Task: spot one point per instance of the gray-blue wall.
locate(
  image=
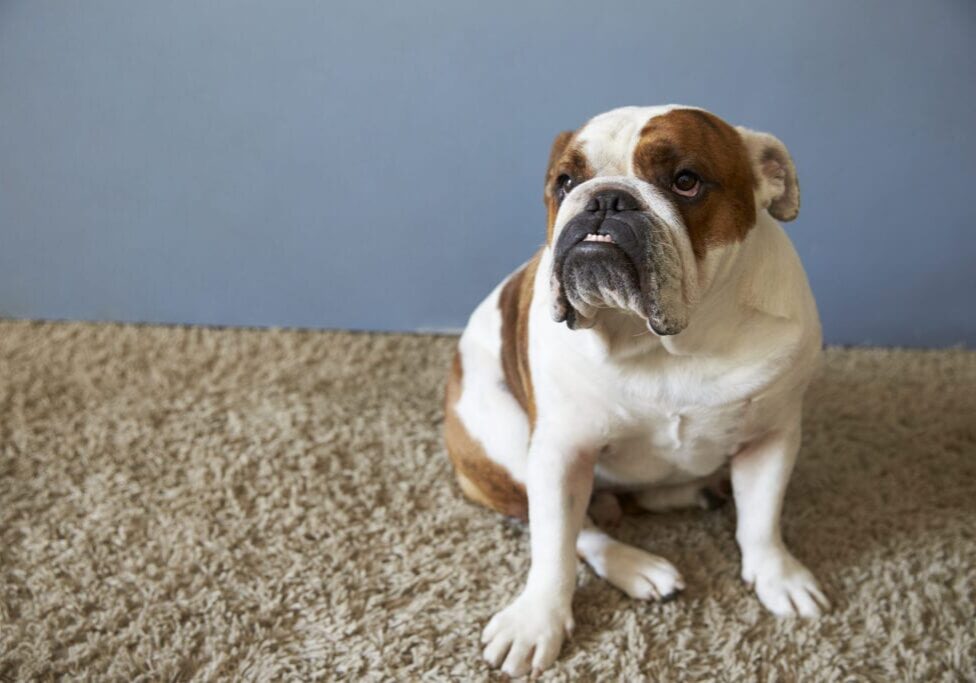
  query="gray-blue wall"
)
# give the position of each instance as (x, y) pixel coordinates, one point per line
(379, 165)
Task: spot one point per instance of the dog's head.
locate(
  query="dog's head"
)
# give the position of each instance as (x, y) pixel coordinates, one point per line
(640, 196)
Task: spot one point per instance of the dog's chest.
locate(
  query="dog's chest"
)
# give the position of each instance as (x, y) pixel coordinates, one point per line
(672, 427)
(671, 446)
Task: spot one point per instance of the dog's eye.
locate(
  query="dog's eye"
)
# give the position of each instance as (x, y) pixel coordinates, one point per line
(686, 183)
(564, 185)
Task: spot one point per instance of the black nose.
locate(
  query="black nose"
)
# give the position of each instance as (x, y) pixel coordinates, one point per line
(612, 201)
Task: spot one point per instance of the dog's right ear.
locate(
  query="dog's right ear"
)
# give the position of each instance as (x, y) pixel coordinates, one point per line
(558, 147)
(777, 188)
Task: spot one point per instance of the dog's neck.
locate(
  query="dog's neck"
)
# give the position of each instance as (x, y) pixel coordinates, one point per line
(715, 317)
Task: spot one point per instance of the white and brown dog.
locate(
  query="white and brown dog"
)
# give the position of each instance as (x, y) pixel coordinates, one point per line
(690, 337)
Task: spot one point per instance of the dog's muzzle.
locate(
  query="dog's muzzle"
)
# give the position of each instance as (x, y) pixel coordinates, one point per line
(607, 256)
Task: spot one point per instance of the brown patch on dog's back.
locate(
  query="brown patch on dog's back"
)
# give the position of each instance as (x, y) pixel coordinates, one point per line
(482, 480)
(514, 302)
(693, 140)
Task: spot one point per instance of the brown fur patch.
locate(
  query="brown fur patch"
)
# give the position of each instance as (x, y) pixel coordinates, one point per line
(482, 480)
(688, 139)
(565, 158)
(513, 302)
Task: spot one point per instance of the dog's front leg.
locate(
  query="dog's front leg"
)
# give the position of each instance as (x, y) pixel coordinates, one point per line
(760, 473)
(528, 633)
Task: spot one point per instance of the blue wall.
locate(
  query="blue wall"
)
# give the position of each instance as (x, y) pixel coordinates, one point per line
(379, 165)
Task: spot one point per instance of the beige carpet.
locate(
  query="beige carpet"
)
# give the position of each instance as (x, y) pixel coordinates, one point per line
(201, 504)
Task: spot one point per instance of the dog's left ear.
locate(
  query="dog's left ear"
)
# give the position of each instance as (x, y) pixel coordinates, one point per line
(777, 187)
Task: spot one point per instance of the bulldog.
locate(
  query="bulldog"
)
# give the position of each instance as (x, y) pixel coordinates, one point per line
(659, 341)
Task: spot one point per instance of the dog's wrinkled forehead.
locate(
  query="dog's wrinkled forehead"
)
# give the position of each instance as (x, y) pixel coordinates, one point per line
(608, 141)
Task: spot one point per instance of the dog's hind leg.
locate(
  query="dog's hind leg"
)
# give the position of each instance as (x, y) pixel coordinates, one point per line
(636, 572)
(707, 493)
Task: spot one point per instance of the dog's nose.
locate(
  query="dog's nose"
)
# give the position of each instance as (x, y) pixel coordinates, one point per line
(612, 201)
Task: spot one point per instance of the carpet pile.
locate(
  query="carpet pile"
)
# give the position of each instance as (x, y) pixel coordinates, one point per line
(192, 504)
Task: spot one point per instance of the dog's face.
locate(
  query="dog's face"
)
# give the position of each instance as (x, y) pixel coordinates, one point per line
(639, 197)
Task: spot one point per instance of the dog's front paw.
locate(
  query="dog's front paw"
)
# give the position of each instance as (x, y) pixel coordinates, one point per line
(526, 635)
(784, 586)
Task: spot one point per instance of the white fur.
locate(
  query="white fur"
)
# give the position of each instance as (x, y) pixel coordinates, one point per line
(609, 139)
(619, 407)
(489, 411)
